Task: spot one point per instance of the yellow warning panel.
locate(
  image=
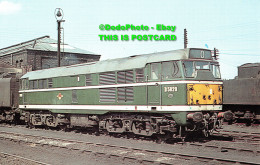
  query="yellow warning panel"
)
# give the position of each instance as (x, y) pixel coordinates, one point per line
(204, 94)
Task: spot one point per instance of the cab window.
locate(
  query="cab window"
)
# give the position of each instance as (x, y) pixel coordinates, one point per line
(200, 65)
(191, 67)
(154, 71)
(214, 67)
(188, 67)
(170, 70)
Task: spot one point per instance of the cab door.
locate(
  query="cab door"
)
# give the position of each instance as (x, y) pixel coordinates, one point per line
(153, 84)
(154, 97)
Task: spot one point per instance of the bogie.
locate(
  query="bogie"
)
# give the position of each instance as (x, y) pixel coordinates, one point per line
(158, 125)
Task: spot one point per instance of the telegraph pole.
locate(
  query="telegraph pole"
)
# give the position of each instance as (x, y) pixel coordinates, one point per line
(59, 18)
(185, 39)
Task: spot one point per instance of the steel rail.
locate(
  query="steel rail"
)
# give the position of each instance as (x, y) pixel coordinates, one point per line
(24, 158)
(128, 149)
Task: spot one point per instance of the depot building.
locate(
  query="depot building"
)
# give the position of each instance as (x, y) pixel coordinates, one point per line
(41, 53)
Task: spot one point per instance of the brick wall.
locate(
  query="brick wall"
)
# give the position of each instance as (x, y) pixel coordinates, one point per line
(30, 60)
(17, 59)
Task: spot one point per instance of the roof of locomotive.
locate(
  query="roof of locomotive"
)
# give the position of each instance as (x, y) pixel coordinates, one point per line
(250, 65)
(127, 63)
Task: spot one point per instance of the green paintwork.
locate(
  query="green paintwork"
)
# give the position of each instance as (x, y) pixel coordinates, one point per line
(153, 94)
(94, 78)
(174, 97)
(180, 118)
(75, 76)
(89, 97)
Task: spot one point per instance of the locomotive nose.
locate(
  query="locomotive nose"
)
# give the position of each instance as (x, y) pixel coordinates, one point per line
(205, 94)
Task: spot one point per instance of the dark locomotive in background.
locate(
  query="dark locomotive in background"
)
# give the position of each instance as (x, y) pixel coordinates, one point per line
(242, 94)
(9, 96)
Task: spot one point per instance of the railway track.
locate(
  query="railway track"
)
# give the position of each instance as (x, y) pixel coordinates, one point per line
(239, 136)
(236, 136)
(15, 159)
(224, 136)
(130, 153)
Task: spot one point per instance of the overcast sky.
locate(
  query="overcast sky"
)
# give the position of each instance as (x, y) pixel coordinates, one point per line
(232, 26)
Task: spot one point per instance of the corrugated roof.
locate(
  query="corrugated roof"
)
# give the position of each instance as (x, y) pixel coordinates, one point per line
(138, 61)
(44, 43)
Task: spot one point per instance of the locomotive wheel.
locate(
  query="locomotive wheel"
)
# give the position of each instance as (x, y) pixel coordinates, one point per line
(114, 126)
(205, 132)
(51, 121)
(33, 121)
(30, 125)
(139, 128)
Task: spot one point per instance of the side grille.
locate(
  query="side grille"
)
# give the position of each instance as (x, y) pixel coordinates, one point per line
(139, 75)
(107, 94)
(88, 79)
(125, 94)
(108, 78)
(125, 77)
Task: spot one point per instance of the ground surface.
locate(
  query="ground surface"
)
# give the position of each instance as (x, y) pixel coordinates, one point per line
(55, 155)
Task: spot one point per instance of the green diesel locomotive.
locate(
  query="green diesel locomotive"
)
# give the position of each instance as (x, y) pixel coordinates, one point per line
(168, 93)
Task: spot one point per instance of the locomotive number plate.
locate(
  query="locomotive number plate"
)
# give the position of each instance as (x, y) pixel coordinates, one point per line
(170, 89)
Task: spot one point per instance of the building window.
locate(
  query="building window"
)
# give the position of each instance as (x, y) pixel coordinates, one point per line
(20, 63)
